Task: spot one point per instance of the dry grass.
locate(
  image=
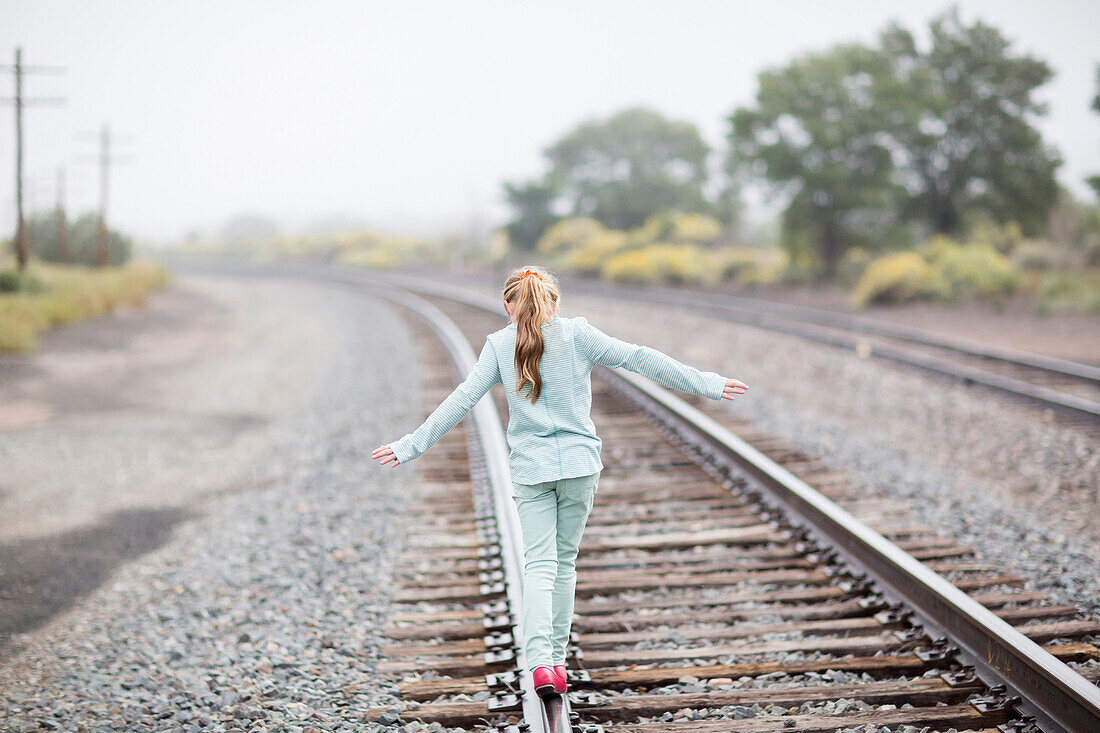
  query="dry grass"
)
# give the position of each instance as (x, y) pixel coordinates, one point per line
(65, 294)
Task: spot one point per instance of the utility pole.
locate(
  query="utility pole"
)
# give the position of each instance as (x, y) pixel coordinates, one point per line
(19, 103)
(20, 228)
(104, 159)
(104, 164)
(62, 233)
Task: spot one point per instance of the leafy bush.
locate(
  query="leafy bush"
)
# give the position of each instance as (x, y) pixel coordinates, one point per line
(893, 278)
(749, 265)
(696, 229)
(10, 281)
(373, 258)
(671, 264)
(81, 237)
(733, 262)
(569, 234)
(634, 267)
(1039, 256)
(851, 266)
(366, 249)
(977, 270)
(1002, 237)
(589, 259)
(1061, 291)
(801, 269)
(768, 271)
(680, 264)
(939, 269)
(674, 227)
(936, 248)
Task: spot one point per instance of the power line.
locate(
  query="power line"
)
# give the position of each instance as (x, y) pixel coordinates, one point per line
(19, 103)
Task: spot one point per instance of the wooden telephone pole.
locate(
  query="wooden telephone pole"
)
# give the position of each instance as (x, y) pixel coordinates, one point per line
(105, 158)
(62, 232)
(19, 102)
(104, 165)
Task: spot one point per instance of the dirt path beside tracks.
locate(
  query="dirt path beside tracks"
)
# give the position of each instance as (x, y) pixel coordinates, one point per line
(117, 430)
(155, 408)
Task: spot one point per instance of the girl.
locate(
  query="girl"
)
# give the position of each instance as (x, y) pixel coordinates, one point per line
(545, 362)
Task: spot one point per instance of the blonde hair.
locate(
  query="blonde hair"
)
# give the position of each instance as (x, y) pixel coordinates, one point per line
(534, 299)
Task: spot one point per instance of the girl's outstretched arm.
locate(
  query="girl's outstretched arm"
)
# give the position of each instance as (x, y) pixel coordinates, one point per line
(450, 412)
(658, 366)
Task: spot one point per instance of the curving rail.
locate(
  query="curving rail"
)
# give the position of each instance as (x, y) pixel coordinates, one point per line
(493, 443)
(1047, 689)
(1050, 691)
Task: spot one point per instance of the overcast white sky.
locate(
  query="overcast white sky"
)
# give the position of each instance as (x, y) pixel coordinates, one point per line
(410, 114)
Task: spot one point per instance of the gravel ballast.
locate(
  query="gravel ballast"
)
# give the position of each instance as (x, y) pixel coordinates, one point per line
(263, 612)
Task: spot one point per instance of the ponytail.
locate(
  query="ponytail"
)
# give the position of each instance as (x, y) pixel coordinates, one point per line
(533, 293)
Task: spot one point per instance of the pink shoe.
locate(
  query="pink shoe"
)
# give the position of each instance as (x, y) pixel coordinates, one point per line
(559, 670)
(547, 681)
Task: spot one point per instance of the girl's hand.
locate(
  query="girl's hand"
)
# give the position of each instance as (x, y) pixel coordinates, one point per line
(733, 388)
(385, 454)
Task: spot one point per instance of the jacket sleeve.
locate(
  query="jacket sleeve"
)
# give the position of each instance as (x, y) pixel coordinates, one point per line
(450, 412)
(661, 368)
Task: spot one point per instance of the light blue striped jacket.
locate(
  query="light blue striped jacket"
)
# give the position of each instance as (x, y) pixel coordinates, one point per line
(555, 437)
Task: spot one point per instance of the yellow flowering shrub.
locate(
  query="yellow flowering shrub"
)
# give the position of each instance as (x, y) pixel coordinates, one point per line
(667, 263)
(977, 270)
(894, 278)
(941, 269)
(569, 234)
(589, 259)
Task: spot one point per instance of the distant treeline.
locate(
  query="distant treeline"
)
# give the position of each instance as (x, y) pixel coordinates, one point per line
(876, 147)
(259, 238)
(77, 243)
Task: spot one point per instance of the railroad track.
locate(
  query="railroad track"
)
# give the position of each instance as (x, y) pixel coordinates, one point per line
(1071, 390)
(717, 591)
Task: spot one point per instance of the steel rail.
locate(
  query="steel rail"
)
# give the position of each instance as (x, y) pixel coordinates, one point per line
(1049, 690)
(494, 444)
(792, 320)
(549, 715)
(537, 715)
(1038, 394)
(1058, 697)
(489, 430)
(862, 324)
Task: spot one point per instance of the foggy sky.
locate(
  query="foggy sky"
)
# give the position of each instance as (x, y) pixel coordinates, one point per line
(410, 114)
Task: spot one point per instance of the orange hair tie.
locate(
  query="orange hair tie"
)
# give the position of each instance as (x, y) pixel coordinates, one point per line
(530, 272)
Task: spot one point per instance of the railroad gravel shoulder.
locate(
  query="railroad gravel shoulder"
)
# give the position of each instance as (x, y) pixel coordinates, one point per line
(262, 614)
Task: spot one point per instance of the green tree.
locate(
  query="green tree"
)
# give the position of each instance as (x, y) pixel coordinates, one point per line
(815, 134)
(82, 238)
(532, 203)
(963, 127)
(636, 163)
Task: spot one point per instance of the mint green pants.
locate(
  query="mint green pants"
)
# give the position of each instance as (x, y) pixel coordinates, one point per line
(551, 516)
